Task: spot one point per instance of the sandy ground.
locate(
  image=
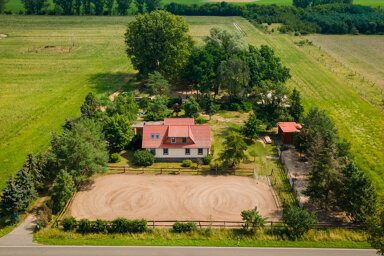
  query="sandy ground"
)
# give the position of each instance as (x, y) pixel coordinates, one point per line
(167, 197)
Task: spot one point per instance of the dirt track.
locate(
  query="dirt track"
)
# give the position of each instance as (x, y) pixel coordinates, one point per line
(166, 197)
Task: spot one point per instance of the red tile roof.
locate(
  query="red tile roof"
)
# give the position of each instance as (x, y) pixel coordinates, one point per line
(200, 134)
(179, 121)
(289, 127)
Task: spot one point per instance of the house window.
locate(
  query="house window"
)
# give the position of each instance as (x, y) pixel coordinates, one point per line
(200, 151)
(187, 151)
(153, 151)
(184, 140)
(157, 136)
(165, 151)
(173, 140)
(152, 136)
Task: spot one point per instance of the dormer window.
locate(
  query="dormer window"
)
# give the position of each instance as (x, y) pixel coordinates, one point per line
(157, 136)
(173, 140)
(152, 135)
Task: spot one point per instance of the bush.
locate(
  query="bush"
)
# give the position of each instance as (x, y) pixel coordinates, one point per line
(69, 223)
(84, 226)
(143, 158)
(121, 225)
(100, 226)
(235, 107)
(44, 216)
(252, 219)
(247, 106)
(200, 120)
(207, 159)
(179, 227)
(298, 221)
(115, 158)
(186, 163)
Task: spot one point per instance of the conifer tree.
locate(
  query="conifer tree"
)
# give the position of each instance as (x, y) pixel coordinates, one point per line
(10, 203)
(24, 182)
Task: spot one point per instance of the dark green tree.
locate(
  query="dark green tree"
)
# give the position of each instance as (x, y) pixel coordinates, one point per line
(152, 5)
(158, 85)
(90, 106)
(158, 109)
(234, 149)
(360, 198)
(252, 127)
(86, 6)
(191, 108)
(210, 106)
(2, 5)
(376, 231)
(11, 200)
(118, 132)
(252, 219)
(25, 184)
(296, 110)
(33, 6)
(123, 6)
(302, 3)
(140, 4)
(34, 168)
(66, 5)
(63, 189)
(124, 104)
(298, 221)
(82, 150)
(99, 6)
(77, 7)
(158, 41)
(109, 5)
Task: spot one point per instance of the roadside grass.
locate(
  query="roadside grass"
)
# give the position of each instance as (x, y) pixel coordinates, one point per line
(332, 238)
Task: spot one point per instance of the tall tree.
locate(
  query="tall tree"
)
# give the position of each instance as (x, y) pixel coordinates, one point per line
(124, 104)
(158, 41)
(63, 189)
(24, 182)
(109, 5)
(33, 6)
(210, 106)
(90, 106)
(231, 41)
(360, 198)
(152, 5)
(252, 127)
(118, 132)
(99, 6)
(77, 7)
(140, 4)
(158, 109)
(296, 110)
(376, 231)
(158, 85)
(123, 6)
(233, 77)
(34, 168)
(11, 200)
(66, 5)
(86, 6)
(2, 5)
(82, 151)
(234, 149)
(191, 108)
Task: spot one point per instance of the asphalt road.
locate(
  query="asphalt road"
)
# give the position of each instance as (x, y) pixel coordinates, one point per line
(174, 251)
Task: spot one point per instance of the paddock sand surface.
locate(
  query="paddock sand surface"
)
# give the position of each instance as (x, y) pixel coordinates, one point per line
(167, 197)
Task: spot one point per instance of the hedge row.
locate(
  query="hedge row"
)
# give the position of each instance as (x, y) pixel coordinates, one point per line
(119, 225)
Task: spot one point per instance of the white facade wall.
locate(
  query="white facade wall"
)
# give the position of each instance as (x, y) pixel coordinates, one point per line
(180, 153)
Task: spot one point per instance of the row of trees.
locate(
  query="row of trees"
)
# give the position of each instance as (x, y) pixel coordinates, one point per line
(89, 7)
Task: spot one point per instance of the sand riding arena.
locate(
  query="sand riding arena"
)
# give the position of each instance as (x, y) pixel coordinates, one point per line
(170, 197)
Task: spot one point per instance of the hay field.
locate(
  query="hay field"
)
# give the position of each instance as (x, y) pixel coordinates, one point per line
(170, 197)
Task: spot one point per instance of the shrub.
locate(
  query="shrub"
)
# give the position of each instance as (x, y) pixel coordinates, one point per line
(143, 158)
(252, 219)
(200, 120)
(188, 227)
(138, 226)
(69, 223)
(121, 225)
(207, 159)
(247, 106)
(44, 216)
(298, 221)
(84, 226)
(235, 107)
(100, 226)
(115, 158)
(186, 163)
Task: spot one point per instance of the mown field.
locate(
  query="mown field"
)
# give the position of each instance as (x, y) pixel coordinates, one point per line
(39, 89)
(16, 5)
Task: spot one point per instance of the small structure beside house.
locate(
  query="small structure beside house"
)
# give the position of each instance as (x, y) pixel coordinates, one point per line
(287, 131)
(176, 139)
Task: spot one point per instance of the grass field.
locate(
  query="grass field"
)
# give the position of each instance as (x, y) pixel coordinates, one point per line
(40, 89)
(217, 237)
(16, 5)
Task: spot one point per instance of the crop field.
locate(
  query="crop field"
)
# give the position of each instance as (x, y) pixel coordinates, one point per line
(40, 86)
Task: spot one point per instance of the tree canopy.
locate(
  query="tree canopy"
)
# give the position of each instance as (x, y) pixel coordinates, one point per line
(158, 41)
(234, 149)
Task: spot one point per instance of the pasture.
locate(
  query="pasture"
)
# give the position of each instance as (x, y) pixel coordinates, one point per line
(39, 89)
(170, 197)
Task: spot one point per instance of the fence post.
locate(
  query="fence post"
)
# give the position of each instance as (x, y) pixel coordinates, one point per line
(271, 223)
(200, 224)
(153, 224)
(179, 171)
(224, 224)
(124, 168)
(161, 170)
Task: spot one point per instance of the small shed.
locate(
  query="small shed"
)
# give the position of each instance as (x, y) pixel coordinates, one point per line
(287, 131)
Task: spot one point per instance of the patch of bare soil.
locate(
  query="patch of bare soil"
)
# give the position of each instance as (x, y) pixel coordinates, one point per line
(113, 95)
(3, 36)
(157, 197)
